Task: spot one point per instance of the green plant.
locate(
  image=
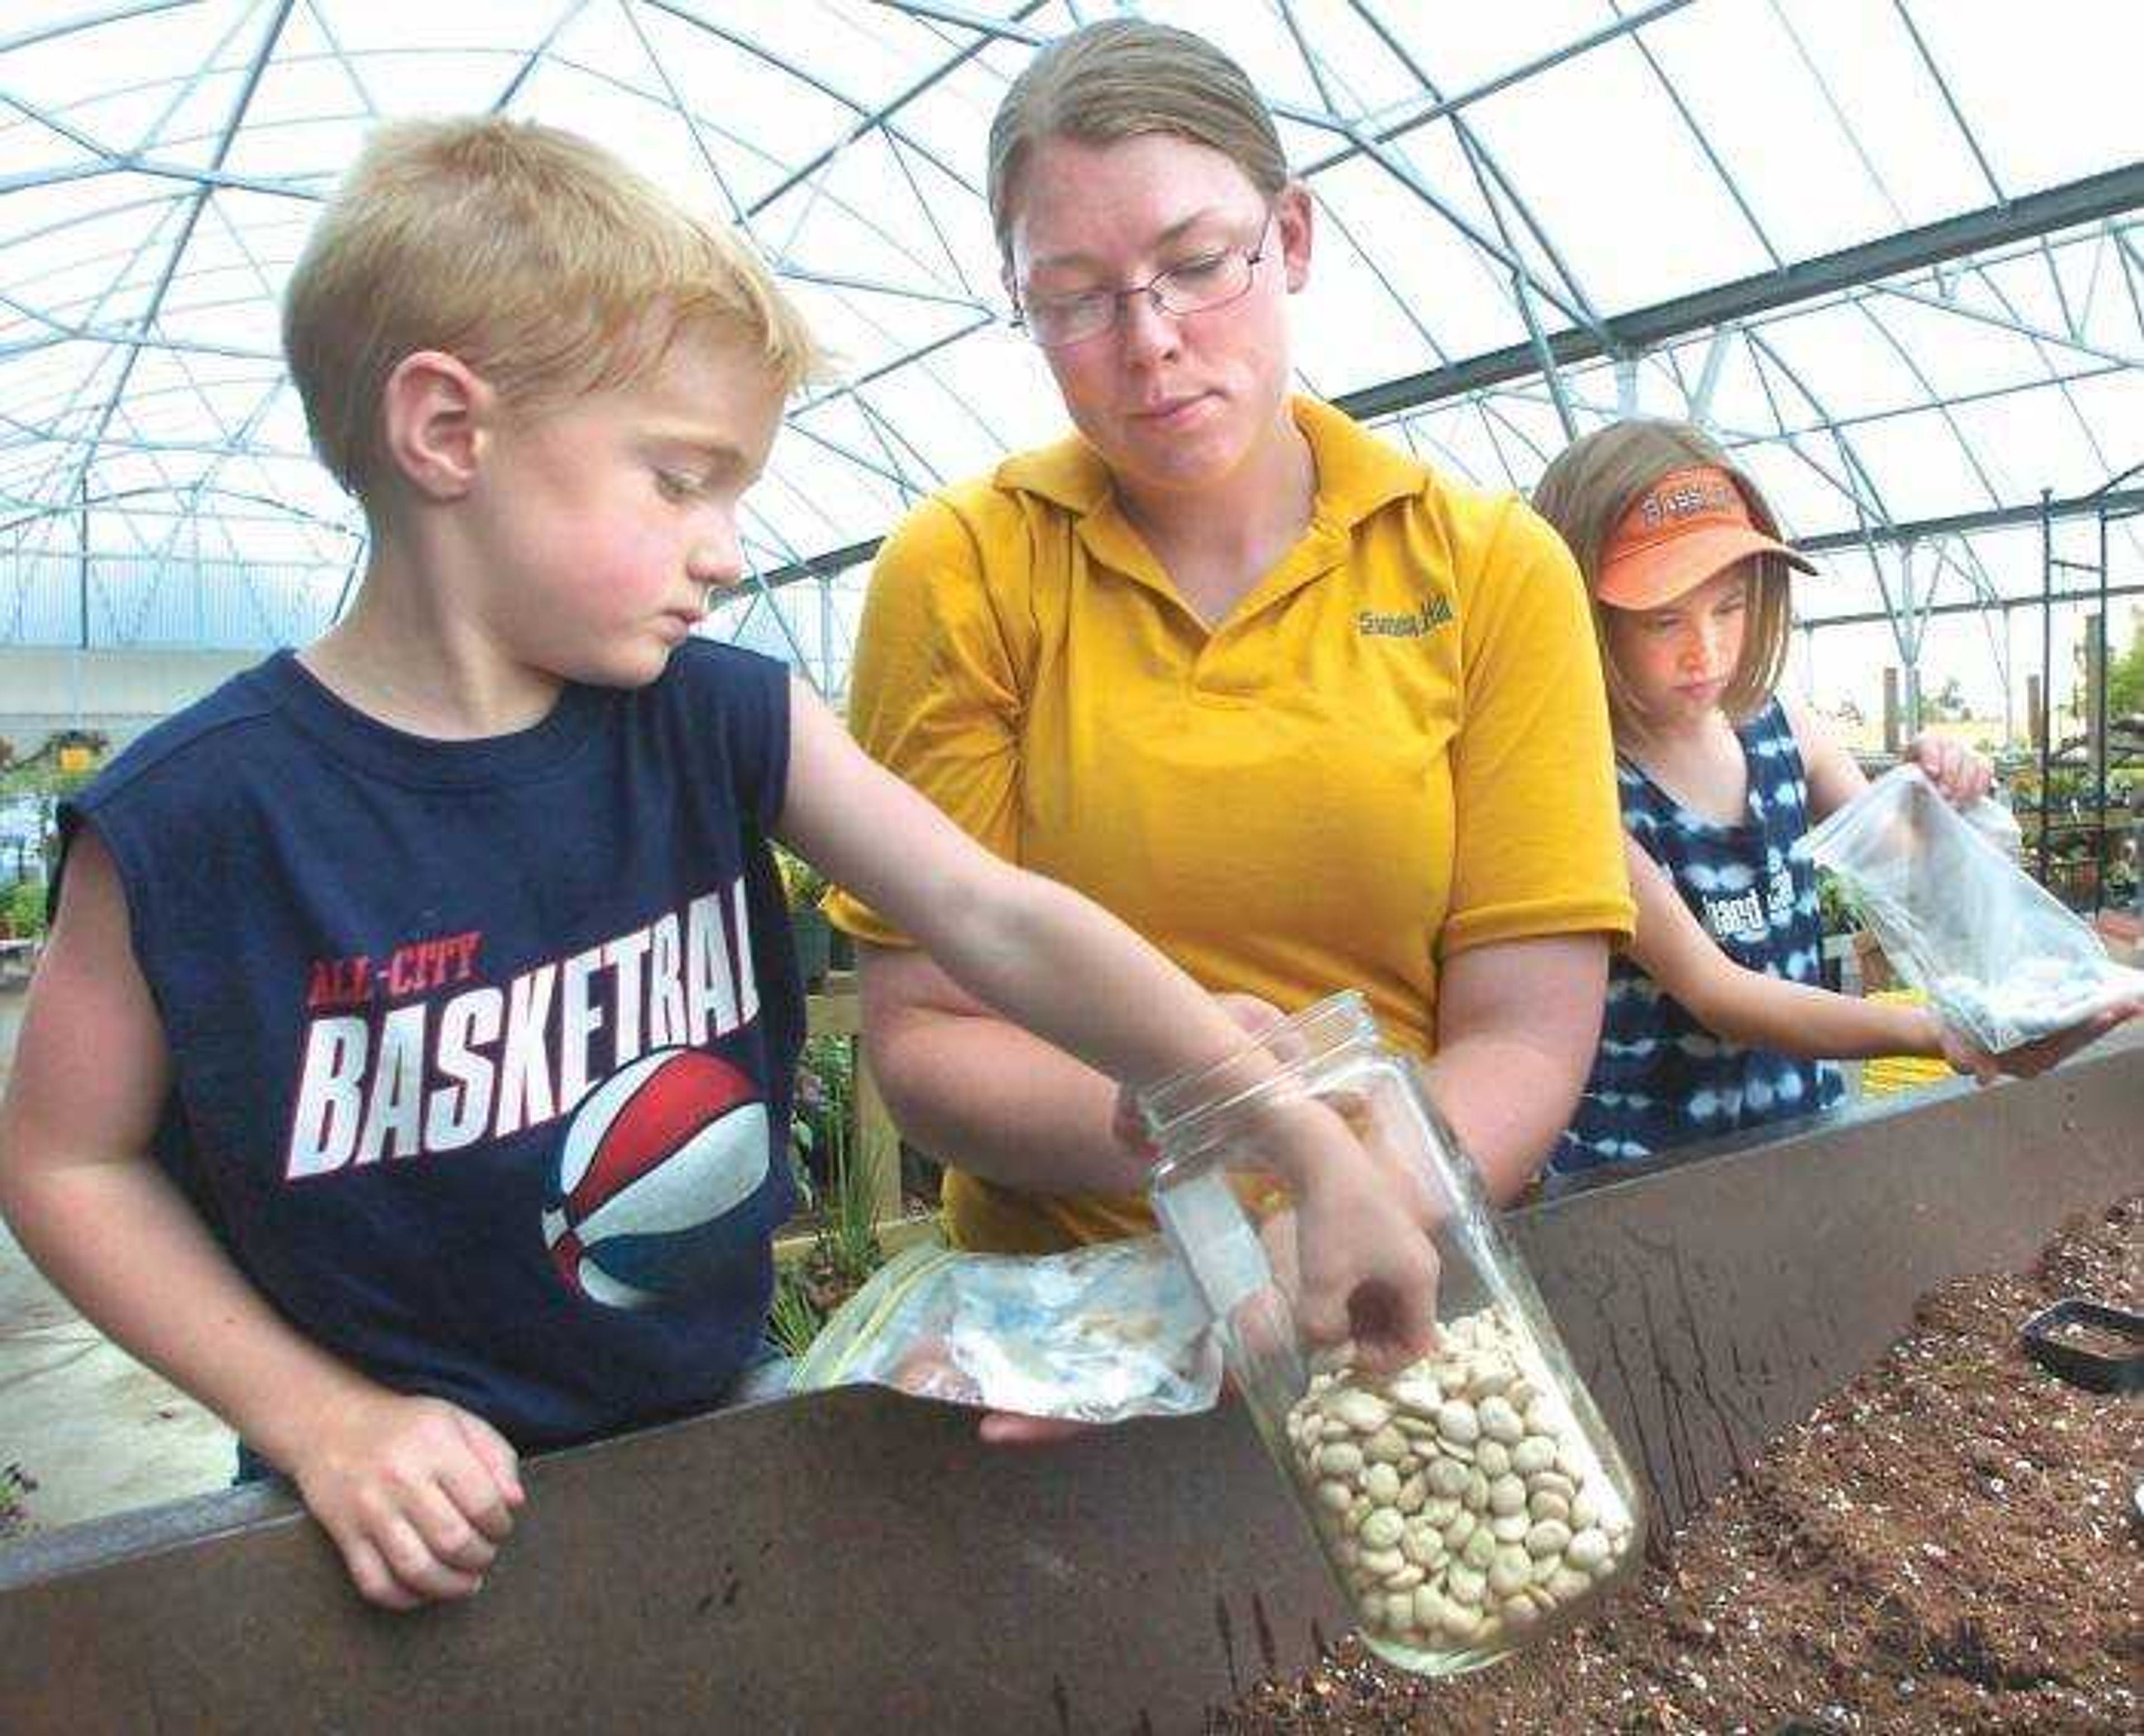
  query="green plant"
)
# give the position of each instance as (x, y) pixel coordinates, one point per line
(15, 1483)
(803, 885)
(826, 1087)
(848, 1225)
(22, 910)
(2124, 678)
(794, 1319)
(1834, 903)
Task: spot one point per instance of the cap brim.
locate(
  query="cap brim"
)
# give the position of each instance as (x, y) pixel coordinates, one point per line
(1649, 578)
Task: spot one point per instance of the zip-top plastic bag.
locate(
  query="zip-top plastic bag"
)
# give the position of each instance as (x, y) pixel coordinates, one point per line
(1101, 1334)
(1999, 956)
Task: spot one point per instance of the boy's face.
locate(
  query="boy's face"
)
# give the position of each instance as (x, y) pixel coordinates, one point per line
(607, 521)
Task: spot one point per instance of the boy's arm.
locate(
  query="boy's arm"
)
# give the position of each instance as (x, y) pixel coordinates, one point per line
(1081, 979)
(413, 1491)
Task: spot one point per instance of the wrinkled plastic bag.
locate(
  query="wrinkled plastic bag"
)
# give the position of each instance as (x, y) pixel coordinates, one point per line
(1998, 955)
(1101, 1334)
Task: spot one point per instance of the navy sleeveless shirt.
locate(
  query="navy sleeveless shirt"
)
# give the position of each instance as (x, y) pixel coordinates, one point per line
(481, 1050)
(1660, 1078)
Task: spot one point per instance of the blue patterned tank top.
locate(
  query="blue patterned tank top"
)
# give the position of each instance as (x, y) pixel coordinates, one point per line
(1660, 1078)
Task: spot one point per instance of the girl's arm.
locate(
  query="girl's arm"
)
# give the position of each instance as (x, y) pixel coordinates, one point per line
(1747, 1006)
(1835, 780)
(415, 1492)
(1769, 1013)
(1766, 1012)
(1079, 978)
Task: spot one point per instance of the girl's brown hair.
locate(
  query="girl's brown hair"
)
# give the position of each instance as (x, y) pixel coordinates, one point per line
(1591, 487)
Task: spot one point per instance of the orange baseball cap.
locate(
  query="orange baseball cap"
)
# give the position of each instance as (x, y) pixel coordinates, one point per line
(1689, 525)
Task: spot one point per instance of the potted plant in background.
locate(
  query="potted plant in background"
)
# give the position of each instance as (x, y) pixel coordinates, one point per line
(803, 886)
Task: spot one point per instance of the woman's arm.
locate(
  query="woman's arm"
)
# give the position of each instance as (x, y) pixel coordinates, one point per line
(1517, 1023)
(980, 1093)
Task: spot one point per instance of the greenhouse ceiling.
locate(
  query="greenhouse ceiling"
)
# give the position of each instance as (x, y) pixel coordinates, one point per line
(1887, 250)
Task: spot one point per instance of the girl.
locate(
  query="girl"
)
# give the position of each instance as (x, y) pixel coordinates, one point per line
(1716, 1021)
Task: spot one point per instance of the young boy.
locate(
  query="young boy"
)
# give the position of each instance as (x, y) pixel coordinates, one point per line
(407, 1076)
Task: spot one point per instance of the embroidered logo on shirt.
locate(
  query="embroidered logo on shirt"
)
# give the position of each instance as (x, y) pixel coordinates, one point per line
(1415, 624)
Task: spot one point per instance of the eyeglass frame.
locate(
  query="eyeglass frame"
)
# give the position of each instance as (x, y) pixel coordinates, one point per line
(1151, 289)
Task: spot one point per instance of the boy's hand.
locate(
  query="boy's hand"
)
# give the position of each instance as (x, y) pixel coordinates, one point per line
(1254, 1015)
(417, 1494)
(1366, 1264)
(1961, 774)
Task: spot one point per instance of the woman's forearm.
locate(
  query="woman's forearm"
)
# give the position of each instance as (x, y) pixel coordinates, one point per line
(982, 1095)
(1505, 1127)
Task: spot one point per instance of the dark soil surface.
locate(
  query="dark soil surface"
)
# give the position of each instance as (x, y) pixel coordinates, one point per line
(1949, 1544)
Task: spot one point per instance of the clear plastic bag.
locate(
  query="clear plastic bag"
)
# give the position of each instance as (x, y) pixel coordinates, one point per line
(1101, 1334)
(2000, 957)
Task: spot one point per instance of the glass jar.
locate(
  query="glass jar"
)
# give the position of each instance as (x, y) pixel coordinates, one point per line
(1466, 1504)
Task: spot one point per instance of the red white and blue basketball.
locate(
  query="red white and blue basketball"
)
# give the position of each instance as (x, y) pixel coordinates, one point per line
(659, 1181)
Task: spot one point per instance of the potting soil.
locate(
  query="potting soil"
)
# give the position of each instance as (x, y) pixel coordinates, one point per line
(1948, 1544)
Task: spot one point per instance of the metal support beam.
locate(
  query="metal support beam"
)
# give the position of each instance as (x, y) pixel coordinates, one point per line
(2121, 501)
(2089, 200)
(1994, 518)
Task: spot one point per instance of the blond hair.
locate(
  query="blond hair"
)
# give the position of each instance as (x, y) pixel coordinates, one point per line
(1121, 78)
(1591, 486)
(531, 254)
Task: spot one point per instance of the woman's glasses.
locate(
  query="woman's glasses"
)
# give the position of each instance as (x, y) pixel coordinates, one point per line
(1210, 280)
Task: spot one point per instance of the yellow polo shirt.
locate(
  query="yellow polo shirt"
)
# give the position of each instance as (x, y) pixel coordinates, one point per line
(1395, 747)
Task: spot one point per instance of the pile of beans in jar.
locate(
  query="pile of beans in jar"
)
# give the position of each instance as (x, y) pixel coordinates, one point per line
(1457, 1499)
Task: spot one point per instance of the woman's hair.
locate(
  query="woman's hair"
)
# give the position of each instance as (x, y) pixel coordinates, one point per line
(1592, 485)
(534, 256)
(1117, 80)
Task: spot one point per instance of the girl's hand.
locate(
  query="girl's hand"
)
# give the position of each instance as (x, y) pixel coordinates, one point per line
(1961, 775)
(2028, 1060)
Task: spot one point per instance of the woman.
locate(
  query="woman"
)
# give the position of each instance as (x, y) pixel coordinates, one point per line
(1305, 714)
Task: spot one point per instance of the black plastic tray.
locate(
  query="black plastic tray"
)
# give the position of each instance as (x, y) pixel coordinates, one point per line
(2121, 1372)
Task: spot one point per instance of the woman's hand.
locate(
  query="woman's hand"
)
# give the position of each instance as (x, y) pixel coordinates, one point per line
(1961, 775)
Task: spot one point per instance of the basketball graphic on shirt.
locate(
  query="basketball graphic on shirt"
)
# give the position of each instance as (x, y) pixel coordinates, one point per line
(658, 1163)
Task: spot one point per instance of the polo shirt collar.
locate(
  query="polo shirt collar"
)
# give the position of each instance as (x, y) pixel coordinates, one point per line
(1357, 472)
